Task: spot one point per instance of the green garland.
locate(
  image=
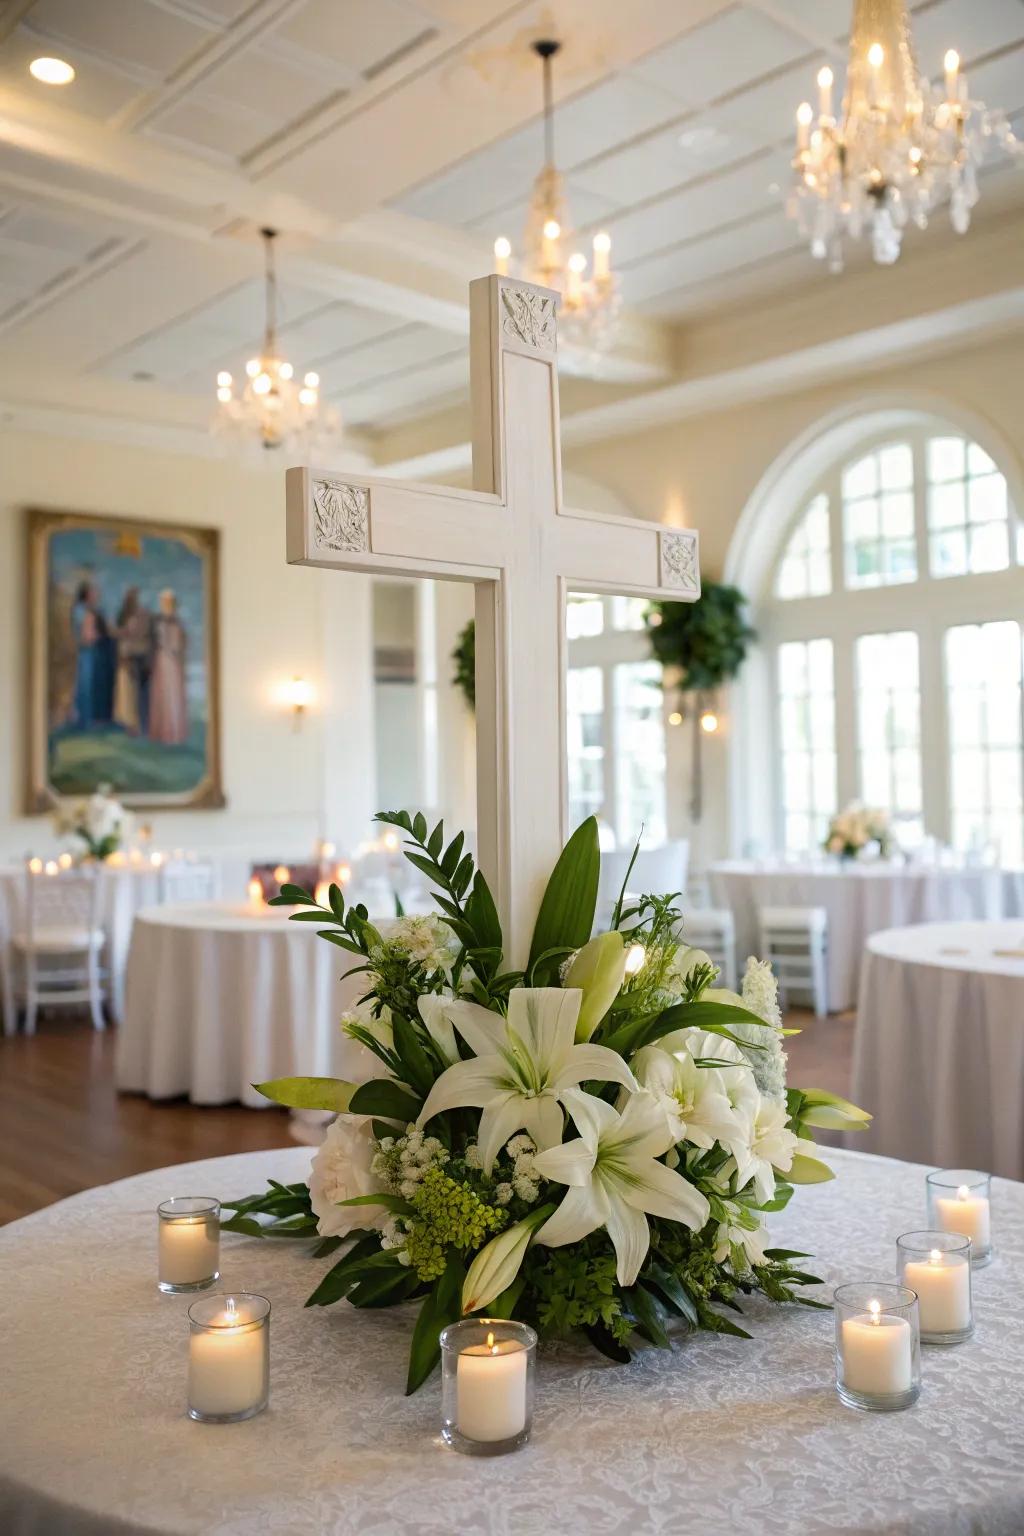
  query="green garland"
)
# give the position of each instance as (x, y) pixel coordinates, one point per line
(707, 640)
(464, 657)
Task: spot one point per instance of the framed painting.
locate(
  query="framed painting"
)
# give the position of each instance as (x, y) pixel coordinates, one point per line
(124, 653)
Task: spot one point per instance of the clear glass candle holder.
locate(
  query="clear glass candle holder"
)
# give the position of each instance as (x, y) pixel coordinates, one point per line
(228, 1357)
(487, 1370)
(959, 1200)
(188, 1243)
(937, 1265)
(878, 1346)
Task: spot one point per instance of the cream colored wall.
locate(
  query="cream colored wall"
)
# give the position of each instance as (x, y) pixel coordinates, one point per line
(702, 471)
(276, 621)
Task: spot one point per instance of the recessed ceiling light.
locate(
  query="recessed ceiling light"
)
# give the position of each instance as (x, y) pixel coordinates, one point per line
(696, 140)
(52, 71)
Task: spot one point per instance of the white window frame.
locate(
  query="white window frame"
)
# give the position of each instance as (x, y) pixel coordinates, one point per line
(928, 606)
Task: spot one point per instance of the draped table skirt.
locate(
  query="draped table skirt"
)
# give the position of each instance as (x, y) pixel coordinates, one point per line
(721, 1435)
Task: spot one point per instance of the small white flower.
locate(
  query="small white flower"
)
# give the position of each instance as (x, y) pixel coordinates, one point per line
(503, 1194)
(472, 1155)
(525, 1188)
(520, 1146)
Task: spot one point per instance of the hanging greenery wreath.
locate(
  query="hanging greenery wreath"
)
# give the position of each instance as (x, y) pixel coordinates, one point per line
(464, 657)
(707, 640)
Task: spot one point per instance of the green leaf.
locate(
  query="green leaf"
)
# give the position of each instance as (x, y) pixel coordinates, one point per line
(386, 1099)
(293, 895)
(384, 1290)
(435, 842)
(674, 1292)
(617, 913)
(567, 909)
(245, 1224)
(645, 1309)
(339, 1279)
(416, 1065)
(393, 1203)
(419, 827)
(607, 1344)
(483, 915)
(331, 1093)
(450, 862)
(442, 1306)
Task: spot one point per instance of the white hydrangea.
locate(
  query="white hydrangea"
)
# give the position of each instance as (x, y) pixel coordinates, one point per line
(760, 994)
(343, 1168)
(472, 1156)
(503, 1194)
(425, 939)
(525, 1188)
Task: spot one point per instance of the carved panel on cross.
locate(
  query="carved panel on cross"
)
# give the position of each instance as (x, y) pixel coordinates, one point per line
(528, 317)
(341, 516)
(680, 566)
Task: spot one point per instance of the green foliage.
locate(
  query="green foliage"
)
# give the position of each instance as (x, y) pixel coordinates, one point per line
(442, 1306)
(566, 915)
(707, 640)
(447, 1215)
(464, 657)
(309, 1092)
(575, 1287)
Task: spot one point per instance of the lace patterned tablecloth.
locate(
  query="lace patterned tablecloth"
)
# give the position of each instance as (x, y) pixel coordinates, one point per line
(720, 1436)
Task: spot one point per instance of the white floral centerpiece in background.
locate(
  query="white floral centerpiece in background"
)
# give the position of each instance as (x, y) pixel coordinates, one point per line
(859, 827)
(590, 1144)
(100, 822)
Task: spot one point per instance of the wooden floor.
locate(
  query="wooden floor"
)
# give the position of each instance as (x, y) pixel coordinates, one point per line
(63, 1127)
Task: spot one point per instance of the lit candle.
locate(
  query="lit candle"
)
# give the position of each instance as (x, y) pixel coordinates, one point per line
(228, 1357)
(574, 280)
(65, 861)
(876, 58)
(188, 1243)
(255, 894)
(502, 252)
(877, 1353)
(325, 850)
(967, 1214)
(602, 255)
(282, 874)
(825, 79)
(156, 859)
(35, 866)
(344, 874)
(951, 66)
(492, 1390)
(51, 867)
(323, 893)
(549, 248)
(943, 1286)
(390, 842)
(804, 118)
(135, 857)
(117, 859)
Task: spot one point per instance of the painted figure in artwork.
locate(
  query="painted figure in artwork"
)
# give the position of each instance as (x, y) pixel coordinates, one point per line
(168, 708)
(94, 678)
(134, 664)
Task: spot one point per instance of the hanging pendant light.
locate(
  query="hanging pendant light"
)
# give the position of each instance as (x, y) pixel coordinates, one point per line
(590, 302)
(272, 408)
(898, 147)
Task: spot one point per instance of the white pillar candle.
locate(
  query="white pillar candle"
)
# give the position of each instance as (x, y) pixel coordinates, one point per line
(189, 1250)
(492, 1390)
(255, 890)
(227, 1365)
(943, 1286)
(877, 1354)
(966, 1214)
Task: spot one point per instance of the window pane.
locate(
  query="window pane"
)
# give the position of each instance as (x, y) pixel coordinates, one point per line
(805, 569)
(878, 518)
(584, 615)
(896, 467)
(861, 479)
(889, 727)
(946, 458)
(640, 753)
(983, 671)
(628, 612)
(585, 742)
(967, 510)
(807, 741)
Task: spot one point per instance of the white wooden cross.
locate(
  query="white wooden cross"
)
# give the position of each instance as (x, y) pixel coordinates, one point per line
(512, 537)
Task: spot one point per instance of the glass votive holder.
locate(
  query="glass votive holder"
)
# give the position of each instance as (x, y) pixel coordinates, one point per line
(959, 1200)
(937, 1265)
(228, 1357)
(878, 1346)
(188, 1243)
(487, 1370)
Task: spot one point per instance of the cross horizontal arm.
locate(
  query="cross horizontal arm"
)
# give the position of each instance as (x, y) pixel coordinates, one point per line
(626, 556)
(387, 526)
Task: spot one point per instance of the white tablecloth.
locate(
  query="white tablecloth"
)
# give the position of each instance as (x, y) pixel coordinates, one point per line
(939, 1050)
(718, 1437)
(219, 997)
(126, 890)
(860, 899)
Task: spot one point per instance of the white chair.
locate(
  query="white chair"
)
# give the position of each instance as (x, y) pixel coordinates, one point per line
(713, 929)
(184, 880)
(657, 871)
(795, 940)
(57, 953)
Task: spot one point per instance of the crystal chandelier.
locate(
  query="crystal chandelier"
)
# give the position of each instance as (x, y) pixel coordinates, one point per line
(589, 304)
(899, 146)
(271, 408)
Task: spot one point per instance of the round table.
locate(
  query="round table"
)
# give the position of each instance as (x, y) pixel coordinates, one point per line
(127, 888)
(860, 898)
(719, 1435)
(221, 995)
(939, 1048)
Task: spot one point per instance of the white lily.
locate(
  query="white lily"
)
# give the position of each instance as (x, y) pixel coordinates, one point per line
(775, 1148)
(735, 1077)
(522, 1068)
(614, 1177)
(693, 1098)
(435, 1011)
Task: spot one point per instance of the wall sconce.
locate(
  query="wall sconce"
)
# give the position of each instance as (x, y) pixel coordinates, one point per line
(299, 696)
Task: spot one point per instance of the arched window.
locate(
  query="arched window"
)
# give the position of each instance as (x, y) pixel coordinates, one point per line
(893, 618)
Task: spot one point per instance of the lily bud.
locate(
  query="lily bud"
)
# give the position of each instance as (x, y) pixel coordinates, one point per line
(808, 1170)
(598, 969)
(496, 1266)
(829, 1112)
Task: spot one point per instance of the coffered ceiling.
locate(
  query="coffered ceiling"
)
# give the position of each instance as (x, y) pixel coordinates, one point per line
(391, 141)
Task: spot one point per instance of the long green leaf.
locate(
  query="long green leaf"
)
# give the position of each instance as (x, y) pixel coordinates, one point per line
(442, 1306)
(566, 914)
(388, 1100)
(343, 1275)
(331, 1093)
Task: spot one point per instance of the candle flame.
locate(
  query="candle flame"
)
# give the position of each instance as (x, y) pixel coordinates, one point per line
(874, 1307)
(963, 1193)
(491, 1344)
(231, 1310)
(936, 1256)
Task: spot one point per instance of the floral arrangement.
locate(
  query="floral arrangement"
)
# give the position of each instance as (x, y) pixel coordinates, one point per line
(100, 822)
(589, 1144)
(859, 827)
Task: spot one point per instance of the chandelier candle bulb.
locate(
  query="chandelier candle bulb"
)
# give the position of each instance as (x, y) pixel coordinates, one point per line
(804, 118)
(876, 58)
(487, 1385)
(502, 252)
(188, 1243)
(228, 1358)
(877, 1346)
(602, 255)
(825, 79)
(959, 1201)
(951, 67)
(937, 1265)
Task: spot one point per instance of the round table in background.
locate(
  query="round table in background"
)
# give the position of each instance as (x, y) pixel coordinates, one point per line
(861, 898)
(718, 1435)
(939, 1047)
(220, 996)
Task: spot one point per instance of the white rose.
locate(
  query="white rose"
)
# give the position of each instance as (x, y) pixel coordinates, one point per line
(340, 1171)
